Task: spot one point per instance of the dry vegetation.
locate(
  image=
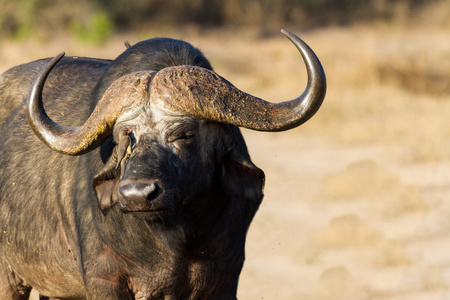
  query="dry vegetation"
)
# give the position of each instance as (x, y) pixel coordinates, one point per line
(357, 199)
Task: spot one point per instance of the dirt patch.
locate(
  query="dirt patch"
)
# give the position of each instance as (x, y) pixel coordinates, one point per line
(337, 283)
(380, 190)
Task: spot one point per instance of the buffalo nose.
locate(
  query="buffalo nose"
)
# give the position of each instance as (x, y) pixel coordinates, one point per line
(138, 196)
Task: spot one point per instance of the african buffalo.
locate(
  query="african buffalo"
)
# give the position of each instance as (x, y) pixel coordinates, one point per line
(129, 178)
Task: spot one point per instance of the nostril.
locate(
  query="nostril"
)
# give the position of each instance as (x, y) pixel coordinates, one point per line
(147, 189)
(151, 191)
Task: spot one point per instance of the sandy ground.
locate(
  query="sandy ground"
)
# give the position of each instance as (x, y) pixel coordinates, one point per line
(357, 200)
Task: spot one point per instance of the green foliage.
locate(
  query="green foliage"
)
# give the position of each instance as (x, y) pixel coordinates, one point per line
(94, 21)
(96, 30)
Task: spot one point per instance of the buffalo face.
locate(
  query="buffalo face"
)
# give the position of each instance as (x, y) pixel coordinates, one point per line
(160, 162)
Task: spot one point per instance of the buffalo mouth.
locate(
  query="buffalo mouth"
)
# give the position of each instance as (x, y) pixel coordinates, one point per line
(160, 213)
(154, 216)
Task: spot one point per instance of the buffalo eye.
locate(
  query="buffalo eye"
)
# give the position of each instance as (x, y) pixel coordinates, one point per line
(181, 137)
(181, 133)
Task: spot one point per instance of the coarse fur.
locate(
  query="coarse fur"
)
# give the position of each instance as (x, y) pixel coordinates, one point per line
(62, 229)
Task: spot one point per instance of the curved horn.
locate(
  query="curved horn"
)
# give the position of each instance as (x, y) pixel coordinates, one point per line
(205, 95)
(126, 95)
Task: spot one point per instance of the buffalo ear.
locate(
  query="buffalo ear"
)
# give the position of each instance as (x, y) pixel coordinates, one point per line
(105, 184)
(241, 180)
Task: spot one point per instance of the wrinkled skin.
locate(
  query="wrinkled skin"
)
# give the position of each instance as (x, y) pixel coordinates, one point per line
(73, 227)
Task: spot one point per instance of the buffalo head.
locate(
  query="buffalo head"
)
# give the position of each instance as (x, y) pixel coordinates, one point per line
(174, 130)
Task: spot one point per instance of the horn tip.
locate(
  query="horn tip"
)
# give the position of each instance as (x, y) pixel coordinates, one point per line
(286, 32)
(291, 36)
(60, 55)
(56, 59)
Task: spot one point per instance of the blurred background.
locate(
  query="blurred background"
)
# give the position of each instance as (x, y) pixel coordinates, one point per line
(357, 200)
(97, 20)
